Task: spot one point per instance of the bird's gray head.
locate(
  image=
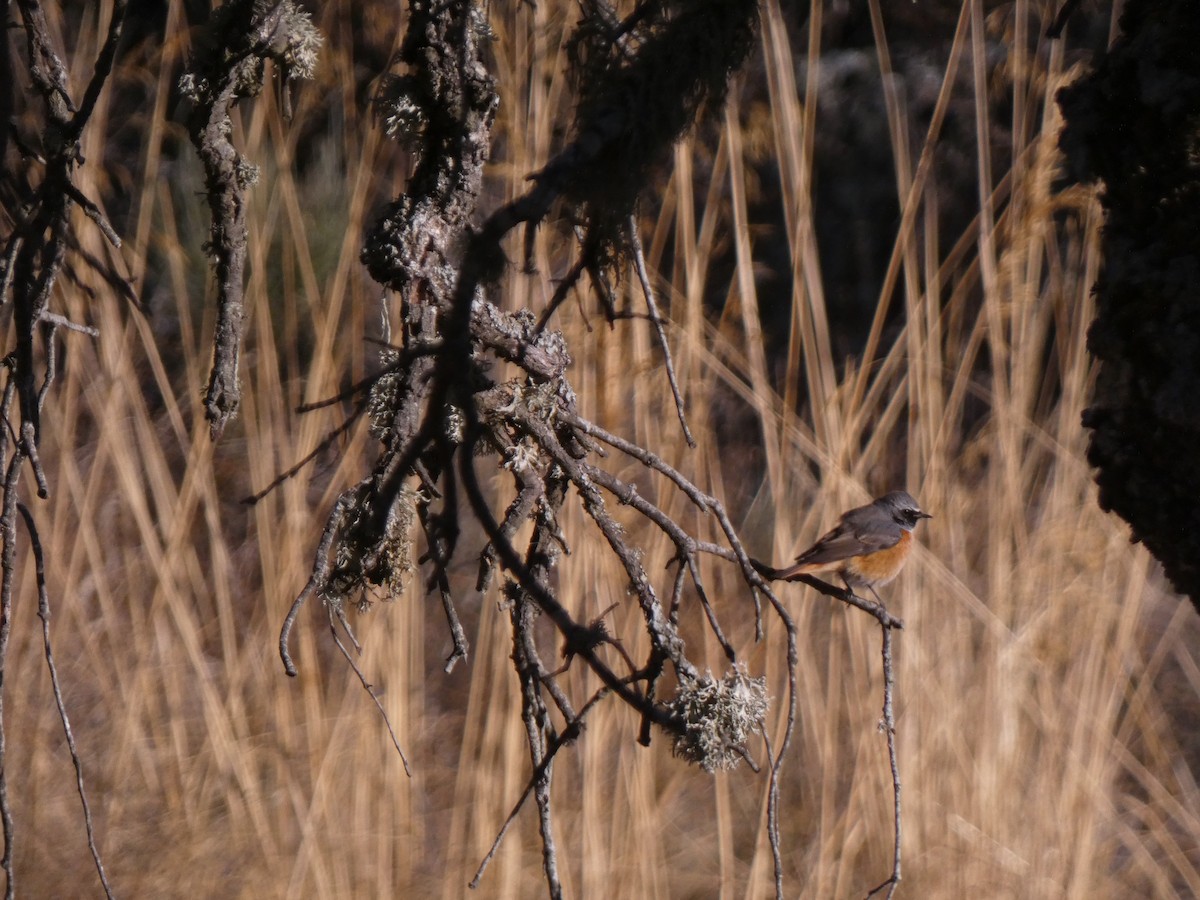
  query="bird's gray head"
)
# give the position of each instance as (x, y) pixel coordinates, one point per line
(903, 509)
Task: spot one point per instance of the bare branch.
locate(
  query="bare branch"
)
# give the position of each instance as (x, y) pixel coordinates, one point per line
(440, 553)
(575, 633)
(537, 723)
(59, 321)
(457, 635)
(44, 614)
(319, 577)
(91, 94)
(789, 729)
(92, 211)
(35, 251)
(569, 735)
(888, 726)
(45, 67)
(229, 67)
(8, 552)
(334, 615)
(639, 262)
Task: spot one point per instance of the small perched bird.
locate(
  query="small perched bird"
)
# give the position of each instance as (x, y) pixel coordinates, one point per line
(867, 547)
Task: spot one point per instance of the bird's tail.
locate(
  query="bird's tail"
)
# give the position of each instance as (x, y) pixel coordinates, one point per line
(768, 572)
(788, 573)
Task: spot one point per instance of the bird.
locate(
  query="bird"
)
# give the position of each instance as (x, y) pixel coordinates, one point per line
(867, 548)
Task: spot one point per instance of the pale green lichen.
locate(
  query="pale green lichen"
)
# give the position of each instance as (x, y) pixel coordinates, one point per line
(718, 716)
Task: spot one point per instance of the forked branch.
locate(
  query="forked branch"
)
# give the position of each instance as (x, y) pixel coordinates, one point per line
(33, 255)
(442, 407)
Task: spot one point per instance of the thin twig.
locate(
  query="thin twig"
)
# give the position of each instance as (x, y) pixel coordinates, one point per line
(702, 500)
(104, 64)
(537, 724)
(319, 576)
(29, 445)
(531, 489)
(546, 601)
(51, 364)
(10, 257)
(459, 637)
(887, 623)
(63, 322)
(442, 582)
(684, 543)
(639, 262)
(339, 611)
(39, 561)
(8, 551)
(662, 634)
(709, 612)
(888, 725)
(793, 659)
(370, 689)
(92, 211)
(736, 552)
(569, 735)
(773, 811)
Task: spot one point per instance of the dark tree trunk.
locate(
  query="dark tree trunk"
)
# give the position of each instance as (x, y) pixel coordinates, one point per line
(1134, 124)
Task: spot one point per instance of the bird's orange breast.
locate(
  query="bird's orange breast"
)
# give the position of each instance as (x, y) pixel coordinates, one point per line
(881, 566)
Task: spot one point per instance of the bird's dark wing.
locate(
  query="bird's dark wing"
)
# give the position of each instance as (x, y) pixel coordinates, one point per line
(861, 530)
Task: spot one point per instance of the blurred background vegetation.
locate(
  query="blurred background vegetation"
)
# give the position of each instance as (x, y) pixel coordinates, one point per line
(876, 277)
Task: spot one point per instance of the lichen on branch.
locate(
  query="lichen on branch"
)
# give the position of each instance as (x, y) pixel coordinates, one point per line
(229, 65)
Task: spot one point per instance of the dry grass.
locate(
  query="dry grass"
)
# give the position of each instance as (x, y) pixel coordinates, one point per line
(1047, 680)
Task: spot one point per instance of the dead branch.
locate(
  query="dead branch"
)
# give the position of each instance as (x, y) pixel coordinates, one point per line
(334, 614)
(437, 407)
(8, 553)
(39, 559)
(887, 724)
(229, 66)
(34, 254)
(660, 331)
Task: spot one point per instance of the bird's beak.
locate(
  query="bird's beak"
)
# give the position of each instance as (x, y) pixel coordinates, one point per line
(924, 515)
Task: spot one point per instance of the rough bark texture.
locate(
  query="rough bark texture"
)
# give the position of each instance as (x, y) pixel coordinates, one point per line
(229, 66)
(33, 256)
(438, 405)
(1134, 124)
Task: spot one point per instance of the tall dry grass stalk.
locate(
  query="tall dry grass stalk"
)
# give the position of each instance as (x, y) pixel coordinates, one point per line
(1045, 682)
